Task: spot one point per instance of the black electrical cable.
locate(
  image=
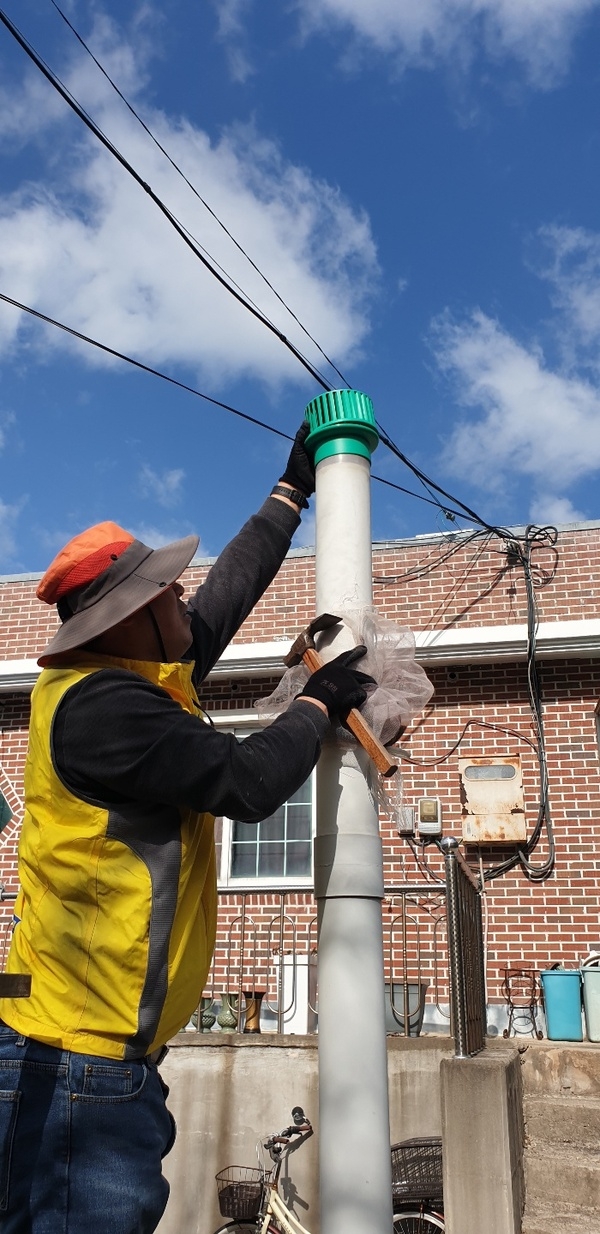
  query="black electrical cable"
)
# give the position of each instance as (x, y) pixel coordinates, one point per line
(431, 485)
(241, 298)
(194, 190)
(119, 355)
(431, 501)
(521, 547)
(154, 372)
(534, 538)
(112, 149)
(421, 860)
(473, 722)
(428, 567)
(442, 607)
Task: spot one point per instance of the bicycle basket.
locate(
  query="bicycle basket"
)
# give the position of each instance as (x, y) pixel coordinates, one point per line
(417, 1169)
(240, 1190)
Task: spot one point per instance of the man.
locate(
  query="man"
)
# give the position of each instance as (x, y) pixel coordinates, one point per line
(116, 917)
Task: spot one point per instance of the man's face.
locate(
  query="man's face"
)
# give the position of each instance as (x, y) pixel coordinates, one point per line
(174, 621)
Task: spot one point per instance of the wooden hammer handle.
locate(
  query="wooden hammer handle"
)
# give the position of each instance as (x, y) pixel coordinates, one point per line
(357, 725)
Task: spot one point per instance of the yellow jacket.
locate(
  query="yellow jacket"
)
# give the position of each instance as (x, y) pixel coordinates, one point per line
(116, 917)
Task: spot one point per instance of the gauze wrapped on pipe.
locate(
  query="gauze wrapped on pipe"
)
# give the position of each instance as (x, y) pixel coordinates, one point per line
(402, 690)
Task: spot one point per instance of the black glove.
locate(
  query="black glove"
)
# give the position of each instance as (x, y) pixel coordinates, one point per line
(300, 469)
(337, 685)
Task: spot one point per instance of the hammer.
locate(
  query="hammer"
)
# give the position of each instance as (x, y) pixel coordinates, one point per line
(304, 649)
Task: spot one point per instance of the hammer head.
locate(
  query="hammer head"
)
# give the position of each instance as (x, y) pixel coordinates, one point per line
(306, 640)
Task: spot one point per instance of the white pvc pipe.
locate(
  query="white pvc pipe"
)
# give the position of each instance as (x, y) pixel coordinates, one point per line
(354, 1131)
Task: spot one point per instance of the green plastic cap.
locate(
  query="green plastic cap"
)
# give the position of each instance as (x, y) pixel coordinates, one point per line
(341, 422)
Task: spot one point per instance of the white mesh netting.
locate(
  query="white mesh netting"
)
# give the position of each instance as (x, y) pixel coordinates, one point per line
(403, 687)
(402, 690)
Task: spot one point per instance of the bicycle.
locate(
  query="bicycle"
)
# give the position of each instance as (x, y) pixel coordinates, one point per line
(417, 1186)
(250, 1195)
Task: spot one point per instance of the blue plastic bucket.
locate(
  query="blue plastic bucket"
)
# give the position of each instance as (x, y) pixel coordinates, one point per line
(562, 1004)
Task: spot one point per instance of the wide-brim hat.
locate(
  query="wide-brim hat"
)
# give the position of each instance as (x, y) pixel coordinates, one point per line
(103, 576)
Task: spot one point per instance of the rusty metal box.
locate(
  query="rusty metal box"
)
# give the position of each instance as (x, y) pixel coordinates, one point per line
(492, 800)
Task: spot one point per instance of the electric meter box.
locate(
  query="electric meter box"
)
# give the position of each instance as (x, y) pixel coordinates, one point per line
(429, 816)
(492, 800)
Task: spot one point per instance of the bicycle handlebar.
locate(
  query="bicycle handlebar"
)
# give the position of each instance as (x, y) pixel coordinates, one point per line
(300, 1126)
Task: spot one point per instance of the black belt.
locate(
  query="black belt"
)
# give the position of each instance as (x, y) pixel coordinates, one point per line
(156, 1057)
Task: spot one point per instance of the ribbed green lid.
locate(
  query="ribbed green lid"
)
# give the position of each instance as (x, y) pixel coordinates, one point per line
(341, 422)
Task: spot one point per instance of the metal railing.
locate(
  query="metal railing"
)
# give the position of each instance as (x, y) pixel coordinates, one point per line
(267, 945)
(267, 949)
(465, 952)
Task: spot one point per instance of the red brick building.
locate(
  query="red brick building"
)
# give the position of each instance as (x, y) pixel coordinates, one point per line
(466, 601)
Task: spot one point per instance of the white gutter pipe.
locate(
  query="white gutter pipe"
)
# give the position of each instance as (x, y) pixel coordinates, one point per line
(354, 1130)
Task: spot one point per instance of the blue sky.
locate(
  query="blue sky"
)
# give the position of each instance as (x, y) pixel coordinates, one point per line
(420, 184)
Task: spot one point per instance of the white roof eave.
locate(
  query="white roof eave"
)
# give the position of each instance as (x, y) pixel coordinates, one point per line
(465, 645)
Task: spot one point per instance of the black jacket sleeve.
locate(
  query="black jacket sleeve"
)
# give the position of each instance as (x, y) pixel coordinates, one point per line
(116, 737)
(238, 579)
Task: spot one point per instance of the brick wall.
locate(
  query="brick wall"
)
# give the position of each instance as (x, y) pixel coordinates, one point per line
(528, 923)
(477, 585)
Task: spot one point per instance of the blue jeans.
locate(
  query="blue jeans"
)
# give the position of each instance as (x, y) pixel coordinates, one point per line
(81, 1141)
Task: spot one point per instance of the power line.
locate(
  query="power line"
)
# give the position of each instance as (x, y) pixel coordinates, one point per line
(194, 190)
(112, 149)
(146, 368)
(423, 568)
(430, 501)
(154, 372)
(430, 485)
(72, 102)
(534, 538)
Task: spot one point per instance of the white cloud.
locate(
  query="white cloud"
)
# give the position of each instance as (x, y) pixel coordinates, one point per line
(155, 537)
(536, 32)
(231, 14)
(26, 113)
(8, 518)
(231, 30)
(547, 508)
(166, 488)
(89, 246)
(572, 267)
(529, 420)
(305, 535)
(7, 419)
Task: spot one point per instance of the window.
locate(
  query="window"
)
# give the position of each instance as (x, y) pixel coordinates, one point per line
(5, 812)
(277, 850)
(279, 846)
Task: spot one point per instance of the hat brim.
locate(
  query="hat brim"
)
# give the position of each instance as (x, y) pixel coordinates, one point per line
(160, 569)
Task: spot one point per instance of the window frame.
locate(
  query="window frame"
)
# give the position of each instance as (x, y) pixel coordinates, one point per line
(242, 724)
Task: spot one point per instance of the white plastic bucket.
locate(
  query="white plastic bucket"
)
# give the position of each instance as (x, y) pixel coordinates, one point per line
(591, 1002)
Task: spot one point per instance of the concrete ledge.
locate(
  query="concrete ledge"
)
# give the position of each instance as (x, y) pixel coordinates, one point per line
(430, 1043)
(228, 1090)
(482, 1129)
(243, 1041)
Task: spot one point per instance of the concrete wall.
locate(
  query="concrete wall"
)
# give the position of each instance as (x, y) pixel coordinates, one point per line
(483, 1134)
(226, 1092)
